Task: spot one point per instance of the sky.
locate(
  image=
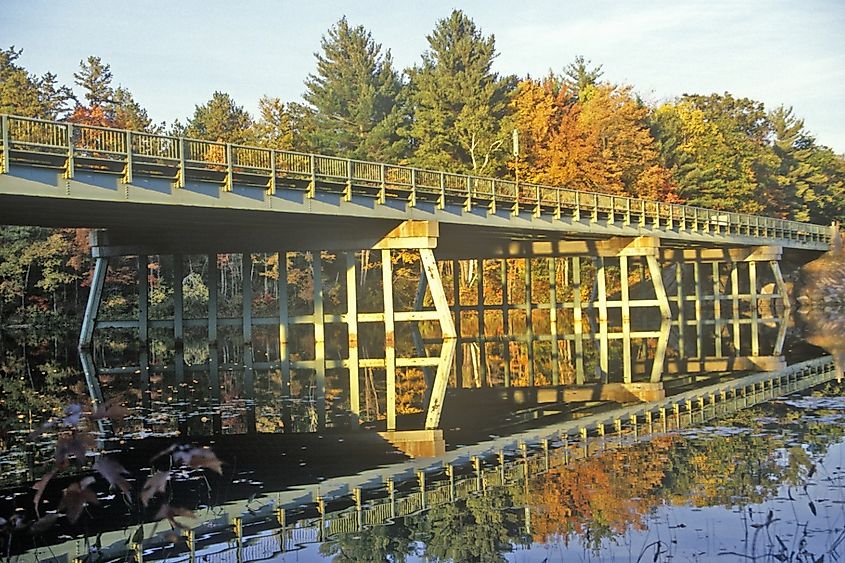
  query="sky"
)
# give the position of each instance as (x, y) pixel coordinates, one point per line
(172, 55)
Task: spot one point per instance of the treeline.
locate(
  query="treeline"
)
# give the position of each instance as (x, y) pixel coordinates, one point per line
(451, 111)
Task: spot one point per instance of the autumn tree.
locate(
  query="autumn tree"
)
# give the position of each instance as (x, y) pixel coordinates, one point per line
(458, 102)
(276, 126)
(601, 142)
(354, 96)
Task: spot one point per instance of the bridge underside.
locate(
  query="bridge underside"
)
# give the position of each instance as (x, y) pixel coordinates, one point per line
(623, 313)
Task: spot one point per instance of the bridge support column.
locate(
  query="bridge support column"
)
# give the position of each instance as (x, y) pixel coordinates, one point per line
(735, 340)
(449, 336)
(92, 306)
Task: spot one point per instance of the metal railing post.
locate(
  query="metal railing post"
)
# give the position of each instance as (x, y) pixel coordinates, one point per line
(4, 139)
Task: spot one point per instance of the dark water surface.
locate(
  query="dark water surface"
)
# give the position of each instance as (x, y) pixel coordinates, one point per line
(762, 484)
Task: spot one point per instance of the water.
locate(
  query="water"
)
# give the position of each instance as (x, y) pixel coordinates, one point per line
(761, 484)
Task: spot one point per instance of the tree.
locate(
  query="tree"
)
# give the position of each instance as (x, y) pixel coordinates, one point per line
(578, 75)
(717, 150)
(600, 142)
(458, 102)
(25, 94)
(354, 97)
(221, 119)
(809, 176)
(95, 78)
(274, 128)
(108, 106)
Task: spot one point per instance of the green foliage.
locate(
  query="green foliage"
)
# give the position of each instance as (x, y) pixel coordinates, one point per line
(377, 544)
(36, 271)
(811, 177)
(22, 93)
(480, 528)
(95, 78)
(716, 148)
(221, 119)
(458, 102)
(578, 76)
(276, 125)
(354, 96)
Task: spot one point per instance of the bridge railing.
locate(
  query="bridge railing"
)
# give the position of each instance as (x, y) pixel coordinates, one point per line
(84, 147)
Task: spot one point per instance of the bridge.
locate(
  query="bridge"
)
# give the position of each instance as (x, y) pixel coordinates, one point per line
(607, 284)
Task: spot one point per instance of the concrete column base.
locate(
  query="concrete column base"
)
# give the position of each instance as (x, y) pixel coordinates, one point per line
(417, 443)
(645, 392)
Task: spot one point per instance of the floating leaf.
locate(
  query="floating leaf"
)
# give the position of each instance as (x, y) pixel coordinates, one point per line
(76, 497)
(43, 524)
(197, 457)
(171, 513)
(201, 457)
(164, 452)
(39, 489)
(113, 472)
(154, 484)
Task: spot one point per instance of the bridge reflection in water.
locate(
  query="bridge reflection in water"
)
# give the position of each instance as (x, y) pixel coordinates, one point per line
(516, 479)
(569, 330)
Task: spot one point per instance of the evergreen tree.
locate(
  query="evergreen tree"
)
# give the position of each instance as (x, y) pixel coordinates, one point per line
(25, 94)
(95, 78)
(717, 149)
(809, 176)
(221, 119)
(128, 114)
(459, 103)
(578, 75)
(274, 128)
(108, 106)
(354, 97)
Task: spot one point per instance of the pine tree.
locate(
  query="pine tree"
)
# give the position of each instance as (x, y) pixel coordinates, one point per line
(221, 119)
(459, 103)
(354, 97)
(578, 75)
(95, 78)
(274, 128)
(108, 106)
(25, 94)
(810, 177)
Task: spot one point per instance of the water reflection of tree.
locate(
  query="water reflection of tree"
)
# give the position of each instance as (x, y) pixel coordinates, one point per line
(480, 528)
(377, 544)
(602, 496)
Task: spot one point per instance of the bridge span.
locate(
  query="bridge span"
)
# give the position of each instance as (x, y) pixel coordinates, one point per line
(604, 279)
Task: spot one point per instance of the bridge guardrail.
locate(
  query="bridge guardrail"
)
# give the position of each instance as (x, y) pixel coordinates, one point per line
(72, 146)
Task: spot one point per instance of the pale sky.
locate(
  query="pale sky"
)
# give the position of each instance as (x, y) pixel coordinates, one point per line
(173, 54)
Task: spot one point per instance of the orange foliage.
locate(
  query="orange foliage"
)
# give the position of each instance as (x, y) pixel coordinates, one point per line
(600, 143)
(612, 492)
